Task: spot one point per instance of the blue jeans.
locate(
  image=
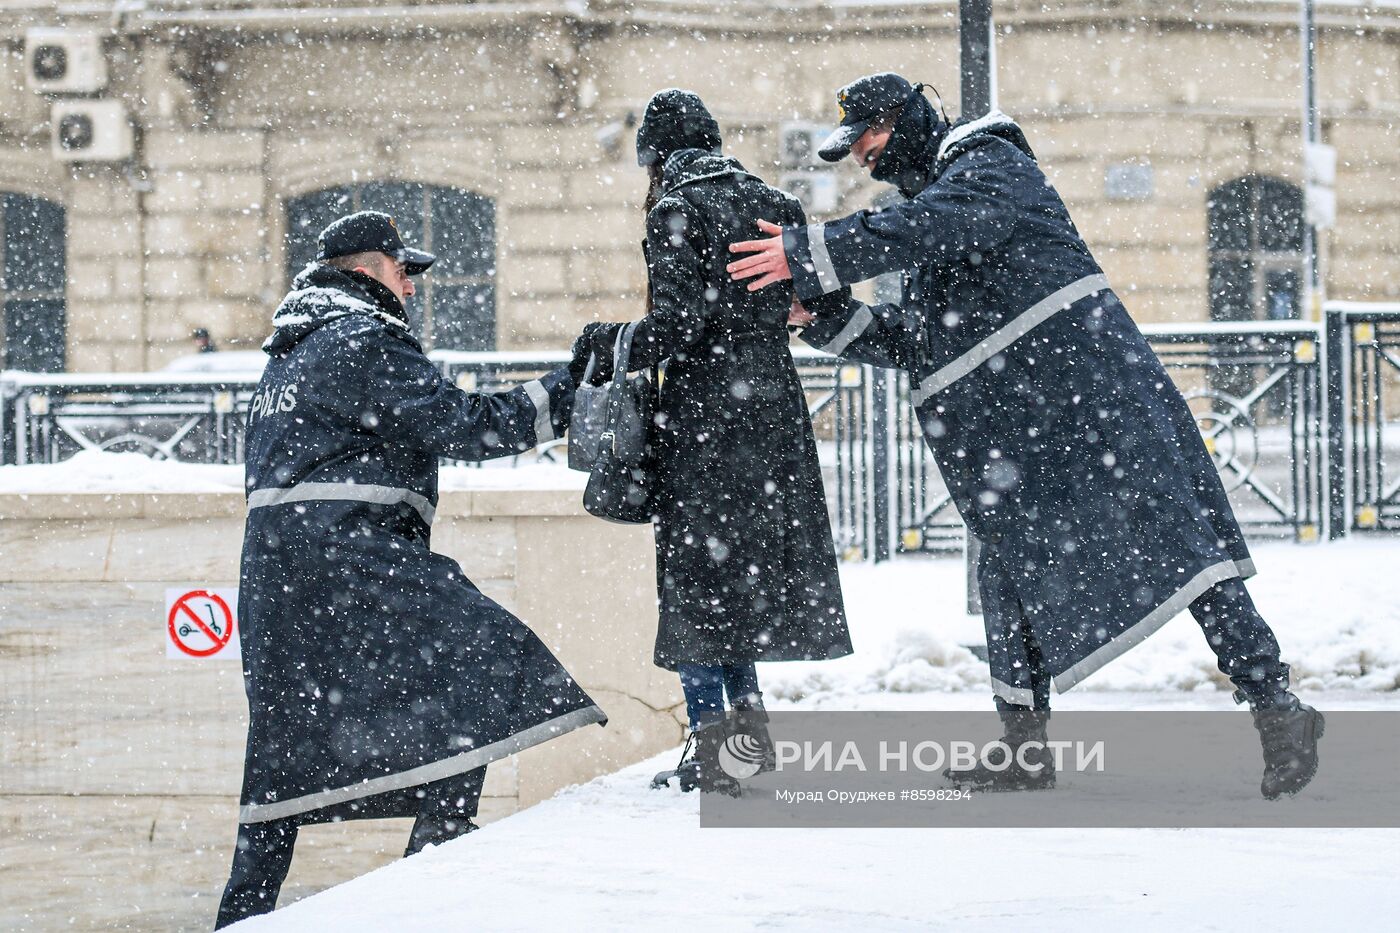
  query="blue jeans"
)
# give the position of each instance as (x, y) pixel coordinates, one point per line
(705, 686)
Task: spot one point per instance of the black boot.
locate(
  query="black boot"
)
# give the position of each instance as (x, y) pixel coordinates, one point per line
(699, 766)
(705, 771)
(663, 778)
(750, 726)
(435, 829)
(1288, 732)
(996, 774)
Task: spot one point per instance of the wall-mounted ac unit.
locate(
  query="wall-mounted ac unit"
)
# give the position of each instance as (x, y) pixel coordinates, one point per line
(816, 191)
(798, 144)
(64, 61)
(90, 131)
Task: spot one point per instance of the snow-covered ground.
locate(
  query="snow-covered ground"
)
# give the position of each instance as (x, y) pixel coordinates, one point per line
(613, 855)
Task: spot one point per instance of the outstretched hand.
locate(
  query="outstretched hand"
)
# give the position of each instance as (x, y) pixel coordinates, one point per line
(768, 260)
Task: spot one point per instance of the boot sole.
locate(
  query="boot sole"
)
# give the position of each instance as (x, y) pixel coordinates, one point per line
(990, 787)
(998, 789)
(1312, 772)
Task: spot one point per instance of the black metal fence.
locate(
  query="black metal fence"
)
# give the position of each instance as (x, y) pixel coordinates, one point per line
(1299, 418)
(1256, 390)
(1363, 370)
(45, 418)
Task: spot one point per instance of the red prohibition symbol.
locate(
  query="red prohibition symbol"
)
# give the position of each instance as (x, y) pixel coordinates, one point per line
(185, 621)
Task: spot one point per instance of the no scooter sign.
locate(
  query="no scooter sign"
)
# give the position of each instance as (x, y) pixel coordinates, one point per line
(201, 623)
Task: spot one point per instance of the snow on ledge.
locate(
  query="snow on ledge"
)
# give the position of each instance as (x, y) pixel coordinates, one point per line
(94, 471)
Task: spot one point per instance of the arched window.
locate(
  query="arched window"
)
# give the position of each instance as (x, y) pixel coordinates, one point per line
(455, 308)
(32, 277)
(1256, 250)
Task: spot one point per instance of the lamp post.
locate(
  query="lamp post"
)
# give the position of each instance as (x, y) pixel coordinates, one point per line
(1311, 277)
(978, 97)
(979, 88)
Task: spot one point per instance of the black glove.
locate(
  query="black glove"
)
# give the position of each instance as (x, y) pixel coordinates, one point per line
(578, 364)
(597, 340)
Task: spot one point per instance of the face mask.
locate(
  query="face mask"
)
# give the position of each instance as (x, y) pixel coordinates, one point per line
(904, 161)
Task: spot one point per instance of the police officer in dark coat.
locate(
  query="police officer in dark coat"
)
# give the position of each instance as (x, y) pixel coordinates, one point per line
(1066, 447)
(746, 569)
(380, 681)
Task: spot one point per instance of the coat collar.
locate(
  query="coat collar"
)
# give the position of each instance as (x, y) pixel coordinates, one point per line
(965, 133)
(321, 294)
(687, 166)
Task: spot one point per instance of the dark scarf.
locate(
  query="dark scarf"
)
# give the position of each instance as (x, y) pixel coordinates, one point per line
(907, 162)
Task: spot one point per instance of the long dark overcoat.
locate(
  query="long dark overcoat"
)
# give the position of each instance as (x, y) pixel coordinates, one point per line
(1066, 447)
(746, 568)
(373, 665)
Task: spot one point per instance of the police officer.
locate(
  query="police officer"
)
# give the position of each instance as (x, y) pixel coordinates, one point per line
(380, 680)
(1067, 449)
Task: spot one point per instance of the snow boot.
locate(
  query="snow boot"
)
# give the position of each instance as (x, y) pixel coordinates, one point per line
(663, 778)
(1288, 732)
(996, 774)
(701, 769)
(750, 727)
(705, 771)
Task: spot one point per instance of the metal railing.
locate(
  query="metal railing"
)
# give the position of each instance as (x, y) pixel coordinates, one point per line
(1256, 391)
(837, 399)
(1363, 367)
(1299, 418)
(198, 417)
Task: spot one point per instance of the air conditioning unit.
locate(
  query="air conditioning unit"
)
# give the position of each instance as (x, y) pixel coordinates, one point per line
(817, 192)
(90, 131)
(64, 61)
(798, 144)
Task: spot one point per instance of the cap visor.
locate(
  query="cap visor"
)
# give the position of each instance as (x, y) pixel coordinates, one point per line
(838, 144)
(415, 261)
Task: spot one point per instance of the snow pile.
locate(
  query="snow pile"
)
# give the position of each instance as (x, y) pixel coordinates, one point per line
(1334, 608)
(96, 471)
(909, 630)
(243, 362)
(613, 855)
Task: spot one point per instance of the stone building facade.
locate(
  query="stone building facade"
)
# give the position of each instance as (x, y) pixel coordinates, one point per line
(497, 133)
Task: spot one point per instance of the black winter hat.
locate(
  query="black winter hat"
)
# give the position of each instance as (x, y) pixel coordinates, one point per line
(370, 232)
(859, 103)
(675, 120)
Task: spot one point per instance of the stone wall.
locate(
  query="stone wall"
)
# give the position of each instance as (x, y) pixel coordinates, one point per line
(120, 769)
(235, 121)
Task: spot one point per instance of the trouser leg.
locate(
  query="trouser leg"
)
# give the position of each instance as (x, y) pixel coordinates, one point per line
(1244, 645)
(1034, 661)
(446, 810)
(703, 685)
(741, 686)
(261, 858)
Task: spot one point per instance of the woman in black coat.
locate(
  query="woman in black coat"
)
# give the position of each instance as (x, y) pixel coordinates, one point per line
(746, 569)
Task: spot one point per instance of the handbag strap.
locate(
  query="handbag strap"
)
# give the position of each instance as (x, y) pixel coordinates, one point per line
(622, 352)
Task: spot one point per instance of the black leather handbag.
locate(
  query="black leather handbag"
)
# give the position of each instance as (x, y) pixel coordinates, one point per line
(609, 435)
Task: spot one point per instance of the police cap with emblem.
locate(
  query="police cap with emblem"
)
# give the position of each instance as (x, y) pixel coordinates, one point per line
(860, 102)
(370, 232)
